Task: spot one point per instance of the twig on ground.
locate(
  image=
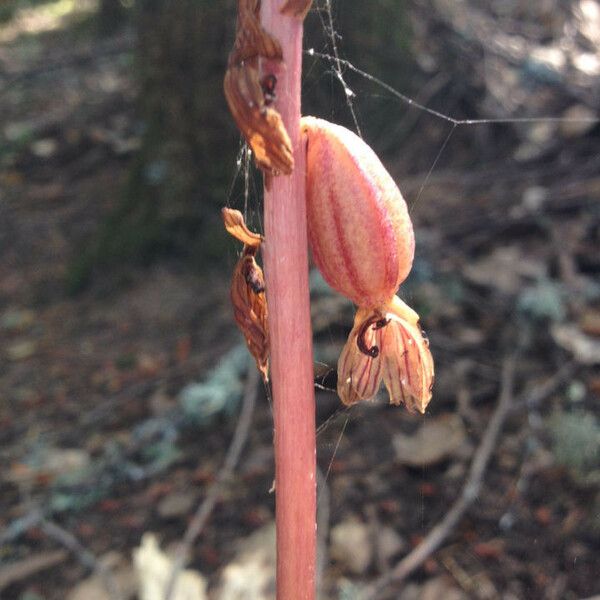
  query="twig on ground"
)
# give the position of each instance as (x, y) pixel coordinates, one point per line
(541, 392)
(206, 507)
(28, 566)
(470, 491)
(83, 555)
(19, 526)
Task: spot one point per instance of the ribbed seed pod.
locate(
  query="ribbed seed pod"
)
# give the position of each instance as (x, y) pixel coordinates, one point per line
(362, 241)
(360, 232)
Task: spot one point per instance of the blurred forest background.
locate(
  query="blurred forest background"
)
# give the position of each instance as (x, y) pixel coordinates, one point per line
(121, 372)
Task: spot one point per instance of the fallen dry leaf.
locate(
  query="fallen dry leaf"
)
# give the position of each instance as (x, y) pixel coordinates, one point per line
(154, 569)
(435, 440)
(251, 574)
(585, 349)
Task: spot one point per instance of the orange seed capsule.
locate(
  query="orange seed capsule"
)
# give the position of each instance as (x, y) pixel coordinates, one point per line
(362, 241)
(360, 233)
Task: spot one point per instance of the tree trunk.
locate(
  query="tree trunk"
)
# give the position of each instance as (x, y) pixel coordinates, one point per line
(182, 171)
(110, 15)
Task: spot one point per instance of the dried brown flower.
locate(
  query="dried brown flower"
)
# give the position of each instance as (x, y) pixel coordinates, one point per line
(248, 291)
(236, 227)
(249, 98)
(389, 346)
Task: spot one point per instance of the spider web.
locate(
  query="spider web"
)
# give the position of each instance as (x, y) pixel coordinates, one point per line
(339, 68)
(346, 76)
(330, 63)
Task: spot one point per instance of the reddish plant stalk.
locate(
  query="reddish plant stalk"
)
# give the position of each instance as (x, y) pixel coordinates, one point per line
(285, 257)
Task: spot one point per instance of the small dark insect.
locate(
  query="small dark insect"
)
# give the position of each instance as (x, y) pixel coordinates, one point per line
(254, 278)
(268, 84)
(377, 323)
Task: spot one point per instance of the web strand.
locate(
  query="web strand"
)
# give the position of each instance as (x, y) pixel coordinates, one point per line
(412, 102)
(433, 166)
(240, 165)
(335, 450)
(246, 159)
(337, 64)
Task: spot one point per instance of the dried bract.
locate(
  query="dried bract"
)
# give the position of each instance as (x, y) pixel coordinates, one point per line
(251, 40)
(236, 226)
(362, 240)
(248, 291)
(298, 8)
(249, 100)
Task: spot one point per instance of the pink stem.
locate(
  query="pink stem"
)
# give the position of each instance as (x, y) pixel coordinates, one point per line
(286, 270)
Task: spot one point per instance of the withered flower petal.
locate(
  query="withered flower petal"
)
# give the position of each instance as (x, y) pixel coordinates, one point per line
(298, 8)
(259, 123)
(359, 372)
(407, 362)
(250, 310)
(251, 39)
(248, 292)
(236, 226)
(386, 344)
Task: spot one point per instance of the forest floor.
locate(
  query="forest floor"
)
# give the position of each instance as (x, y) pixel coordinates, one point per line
(92, 385)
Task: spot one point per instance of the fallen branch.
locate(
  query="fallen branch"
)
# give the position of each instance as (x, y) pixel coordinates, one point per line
(470, 492)
(539, 393)
(30, 565)
(19, 526)
(233, 455)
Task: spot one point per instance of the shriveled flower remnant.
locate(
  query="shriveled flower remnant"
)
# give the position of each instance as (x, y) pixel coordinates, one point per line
(362, 241)
(248, 291)
(249, 97)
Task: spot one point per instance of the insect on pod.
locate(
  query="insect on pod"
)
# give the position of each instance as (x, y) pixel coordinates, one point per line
(362, 241)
